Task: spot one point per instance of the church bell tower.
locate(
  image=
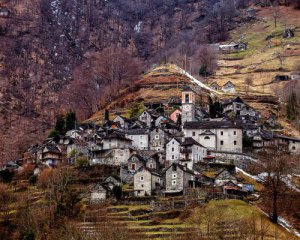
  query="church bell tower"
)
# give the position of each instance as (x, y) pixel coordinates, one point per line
(188, 105)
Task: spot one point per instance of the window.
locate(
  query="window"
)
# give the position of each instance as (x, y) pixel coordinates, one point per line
(151, 165)
(174, 175)
(172, 149)
(142, 185)
(156, 136)
(194, 134)
(142, 178)
(133, 166)
(222, 133)
(158, 180)
(187, 98)
(234, 142)
(173, 182)
(293, 148)
(206, 138)
(174, 168)
(234, 132)
(222, 142)
(173, 157)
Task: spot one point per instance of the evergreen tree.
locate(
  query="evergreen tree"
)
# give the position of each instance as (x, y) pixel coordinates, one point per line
(60, 124)
(106, 115)
(70, 120)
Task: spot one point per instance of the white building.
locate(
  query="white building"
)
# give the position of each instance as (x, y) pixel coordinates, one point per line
(147, 118)
(191, 152)
(216, 135)
(173, 150)
(139, 137)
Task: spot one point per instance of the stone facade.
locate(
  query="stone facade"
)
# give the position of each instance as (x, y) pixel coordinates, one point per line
(158, 139)
(146, 118)
(188, 106)
(173, 150)
(223, 177)
(135, 162)
(146, 182)
(140, 139)
(178, 178)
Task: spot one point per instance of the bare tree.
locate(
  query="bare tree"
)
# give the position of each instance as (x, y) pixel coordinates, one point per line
(249, 82)
(275, 166)
(275, 12)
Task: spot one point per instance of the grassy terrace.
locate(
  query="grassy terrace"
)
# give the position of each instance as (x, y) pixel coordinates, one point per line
(226, 217)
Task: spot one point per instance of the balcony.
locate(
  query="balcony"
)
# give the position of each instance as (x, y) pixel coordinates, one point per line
(185, 151)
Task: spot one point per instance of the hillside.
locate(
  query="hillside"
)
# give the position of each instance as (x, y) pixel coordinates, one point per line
(260, 61)
(43, 43)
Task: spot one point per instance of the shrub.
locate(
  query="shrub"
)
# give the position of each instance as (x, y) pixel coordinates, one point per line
(82, 162)
(32, 180)
(6, 175)
(117, 191)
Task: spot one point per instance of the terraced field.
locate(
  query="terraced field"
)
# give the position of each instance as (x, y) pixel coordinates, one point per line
(140, 222)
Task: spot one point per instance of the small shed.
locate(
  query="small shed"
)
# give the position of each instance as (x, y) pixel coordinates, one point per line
(99, 193)
(4, 12)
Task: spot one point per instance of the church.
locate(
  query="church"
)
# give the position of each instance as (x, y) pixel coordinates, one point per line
(226, 136)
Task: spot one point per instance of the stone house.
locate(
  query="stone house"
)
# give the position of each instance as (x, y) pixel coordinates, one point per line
(173, 150)
(146, 182)
(115, 157)
(158, 139)
(229, 87)
(122, 121)
(112, 181)
(139, 137)
(233, 105)
(153, 163)
(99, 193)
(135, 162)
(249, 111)
(177, 179)
(147, 118)
(116, 140)
(215, 86)
(223, 177)
(191, 152)
(216, 135)
(292, 143)
(33, 154)
(51, 155)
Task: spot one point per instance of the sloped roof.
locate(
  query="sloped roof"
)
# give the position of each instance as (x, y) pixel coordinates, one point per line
(117, 135)
(229, 101)
(190, 141)
(211, 125)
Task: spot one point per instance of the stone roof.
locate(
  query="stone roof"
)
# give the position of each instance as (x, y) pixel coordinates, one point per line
(189, 142)
(211, 125)
(230, 101)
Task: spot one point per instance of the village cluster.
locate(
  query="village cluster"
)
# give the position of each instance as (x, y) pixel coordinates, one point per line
(161, 154)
